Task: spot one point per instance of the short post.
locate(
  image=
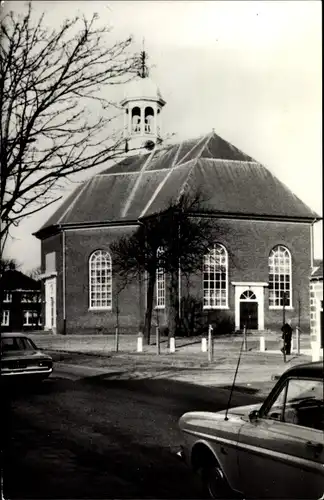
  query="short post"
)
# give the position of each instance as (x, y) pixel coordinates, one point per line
(244, 339)
(210, 343)
(172, 344)
(116, 339)
(203, 344)
(262, 343)
(140, 342)
(157, 336)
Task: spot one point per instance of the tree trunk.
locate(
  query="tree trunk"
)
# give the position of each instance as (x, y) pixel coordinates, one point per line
(149, 308)
(173, 319)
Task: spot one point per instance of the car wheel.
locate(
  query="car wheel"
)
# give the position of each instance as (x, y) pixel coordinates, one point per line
(214, 483)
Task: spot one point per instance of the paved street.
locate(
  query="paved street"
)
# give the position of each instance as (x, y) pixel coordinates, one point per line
(84, 434)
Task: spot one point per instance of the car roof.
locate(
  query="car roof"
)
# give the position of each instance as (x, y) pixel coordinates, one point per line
(12, 334)
(314, 369)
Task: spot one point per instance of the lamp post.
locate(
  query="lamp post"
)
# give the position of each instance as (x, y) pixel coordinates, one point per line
(284, 297)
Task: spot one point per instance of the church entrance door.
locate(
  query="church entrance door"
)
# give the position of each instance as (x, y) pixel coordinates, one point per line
(249, 311)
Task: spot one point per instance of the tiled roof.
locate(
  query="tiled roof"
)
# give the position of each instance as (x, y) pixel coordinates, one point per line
(16, 280)
(232, 182)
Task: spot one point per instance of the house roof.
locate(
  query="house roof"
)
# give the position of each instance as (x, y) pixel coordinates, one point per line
(16, 280)
(231, 182)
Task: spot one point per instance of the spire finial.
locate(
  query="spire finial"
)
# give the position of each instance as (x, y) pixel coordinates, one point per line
(143, 72)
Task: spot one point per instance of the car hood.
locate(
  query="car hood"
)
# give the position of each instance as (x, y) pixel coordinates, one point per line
(196, 417)
(30, 354)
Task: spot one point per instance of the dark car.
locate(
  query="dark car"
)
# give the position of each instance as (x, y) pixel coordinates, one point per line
(274, 450)
(21, 359)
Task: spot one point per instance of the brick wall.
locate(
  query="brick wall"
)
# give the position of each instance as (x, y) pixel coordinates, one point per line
(248, 242)
(79, 245)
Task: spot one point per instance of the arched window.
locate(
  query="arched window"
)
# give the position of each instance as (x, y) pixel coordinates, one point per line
(248, 295)
(215, 274)
(279, 277)
(100, 280)
(149, 118)
(160, 283)
(136, 120)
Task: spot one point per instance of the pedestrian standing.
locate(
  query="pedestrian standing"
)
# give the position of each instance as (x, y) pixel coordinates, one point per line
(287, 337)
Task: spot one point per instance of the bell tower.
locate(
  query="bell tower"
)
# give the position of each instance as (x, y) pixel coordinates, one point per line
(142, 106)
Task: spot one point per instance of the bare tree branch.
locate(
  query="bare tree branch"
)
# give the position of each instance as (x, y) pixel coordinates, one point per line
(48, 130)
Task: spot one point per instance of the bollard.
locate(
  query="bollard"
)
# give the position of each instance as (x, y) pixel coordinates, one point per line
(172, 344)
(262, 343)
(204, 344)
(210, 343)
(140, 342)
(244, 339)
(116, 339)
(157, 336)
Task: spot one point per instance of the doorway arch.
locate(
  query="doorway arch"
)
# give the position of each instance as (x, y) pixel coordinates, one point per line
(249, 310)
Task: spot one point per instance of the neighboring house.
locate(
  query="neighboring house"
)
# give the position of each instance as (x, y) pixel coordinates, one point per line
(262, 251)
(316, 309)
(21, 304)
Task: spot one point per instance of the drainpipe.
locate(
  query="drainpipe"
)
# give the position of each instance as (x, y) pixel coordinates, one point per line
(179, 278)
(63, 282)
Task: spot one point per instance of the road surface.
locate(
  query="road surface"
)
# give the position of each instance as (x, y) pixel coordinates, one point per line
(82, 434)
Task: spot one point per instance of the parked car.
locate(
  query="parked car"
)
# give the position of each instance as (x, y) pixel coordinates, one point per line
(275, 450)
(21, 359)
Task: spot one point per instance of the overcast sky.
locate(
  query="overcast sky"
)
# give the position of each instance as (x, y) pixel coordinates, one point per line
(250, 70)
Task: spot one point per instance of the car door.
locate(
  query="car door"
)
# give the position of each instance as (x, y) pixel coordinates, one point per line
(281, 453)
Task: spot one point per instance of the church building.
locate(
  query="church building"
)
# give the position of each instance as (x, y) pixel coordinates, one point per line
(257, 272)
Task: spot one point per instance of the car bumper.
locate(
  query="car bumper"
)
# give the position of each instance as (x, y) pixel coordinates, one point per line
(26, 373)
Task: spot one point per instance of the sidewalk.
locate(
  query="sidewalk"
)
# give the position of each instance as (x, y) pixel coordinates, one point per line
(256, 372)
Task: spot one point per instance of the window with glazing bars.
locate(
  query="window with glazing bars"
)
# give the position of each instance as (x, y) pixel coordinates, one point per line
(279, 277)
(160, 284)
(215, 271)
(100, 280)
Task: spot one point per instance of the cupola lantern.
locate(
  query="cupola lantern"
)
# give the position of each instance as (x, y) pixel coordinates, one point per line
(142, 111)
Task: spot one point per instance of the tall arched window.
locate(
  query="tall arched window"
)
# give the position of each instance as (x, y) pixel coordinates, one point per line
(215, 278)
(279, 277)
(100, 280)
(160, 283)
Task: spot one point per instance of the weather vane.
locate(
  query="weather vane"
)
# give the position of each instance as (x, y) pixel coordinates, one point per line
(144, 71)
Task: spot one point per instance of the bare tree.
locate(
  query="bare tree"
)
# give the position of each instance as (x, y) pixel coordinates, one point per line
(55, 116)
(183, 233)
(8, 265)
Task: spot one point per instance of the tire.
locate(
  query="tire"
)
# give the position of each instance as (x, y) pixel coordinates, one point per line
(215, 484)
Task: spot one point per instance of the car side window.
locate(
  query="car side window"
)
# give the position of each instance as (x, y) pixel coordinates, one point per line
(300, 403)
(275, 412)
(21, 344)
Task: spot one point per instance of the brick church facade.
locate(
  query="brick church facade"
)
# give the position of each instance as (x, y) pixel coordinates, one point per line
(257, 272)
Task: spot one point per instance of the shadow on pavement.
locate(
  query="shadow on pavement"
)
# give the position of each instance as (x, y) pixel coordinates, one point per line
(195, 397)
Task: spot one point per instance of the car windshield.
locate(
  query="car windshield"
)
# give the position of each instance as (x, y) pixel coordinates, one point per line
(17, 344)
